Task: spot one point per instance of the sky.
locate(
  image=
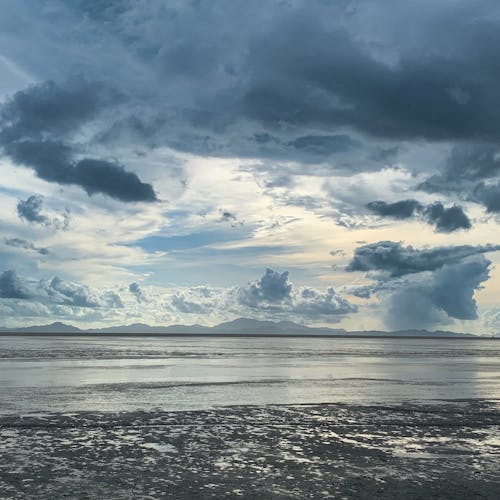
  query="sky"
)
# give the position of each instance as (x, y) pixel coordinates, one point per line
(328, 162)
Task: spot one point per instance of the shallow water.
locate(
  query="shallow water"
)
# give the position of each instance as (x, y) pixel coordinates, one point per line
(61, 374)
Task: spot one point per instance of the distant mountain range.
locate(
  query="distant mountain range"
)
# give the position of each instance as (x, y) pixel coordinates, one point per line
(240, 326)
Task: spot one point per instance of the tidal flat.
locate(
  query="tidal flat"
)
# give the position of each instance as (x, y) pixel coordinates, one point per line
(106, 418)
(449, 450)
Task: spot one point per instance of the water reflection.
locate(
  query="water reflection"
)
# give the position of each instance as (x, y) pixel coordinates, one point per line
(69, 374)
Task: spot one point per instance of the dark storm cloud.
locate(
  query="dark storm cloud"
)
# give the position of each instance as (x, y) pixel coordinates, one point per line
(27, 245)
(324, 145)
(100, 176)
(446, 293)
(472, 171)
(488, 195)
(332, 78)
(466, 165)
(50, 108)
(38, 126)
(422, 288)
(299, 79)
(395, 260)
(403, 209)
(445, 219)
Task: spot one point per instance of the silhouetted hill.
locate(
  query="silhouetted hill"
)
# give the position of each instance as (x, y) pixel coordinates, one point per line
(239, 326)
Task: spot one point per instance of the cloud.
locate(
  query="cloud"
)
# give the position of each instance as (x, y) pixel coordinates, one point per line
(11, 286)
(488, 195)
(422, 288)
(324, 145)
(52, 162)
(230, 217)
(391, 259)
(56, 291)
(467, 163)
(74, 294)
(403, 209)
(136, 291)
(30, 210)
(273, 287)
(259, 98)
(183, 305)
(313, 303)
(27, 245)
(472, 171)
(275, 294)
(434, 299)
(38, 132)
(445, 219)
(201, 300)
(52, 108)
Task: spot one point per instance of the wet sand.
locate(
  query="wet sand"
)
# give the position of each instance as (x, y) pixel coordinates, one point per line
(449, 450)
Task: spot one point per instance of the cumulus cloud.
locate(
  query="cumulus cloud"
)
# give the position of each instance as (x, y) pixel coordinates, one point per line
(313, 303)
(56, 291)
(274, 293)
(199, 300)
(272, 288)
(445, 219)
(184, 305)
(434, 299)
(422, 287)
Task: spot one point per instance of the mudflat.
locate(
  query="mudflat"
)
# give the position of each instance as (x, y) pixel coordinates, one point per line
(421, 450)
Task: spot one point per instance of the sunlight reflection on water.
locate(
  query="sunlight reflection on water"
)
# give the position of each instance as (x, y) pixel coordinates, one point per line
(179, 373)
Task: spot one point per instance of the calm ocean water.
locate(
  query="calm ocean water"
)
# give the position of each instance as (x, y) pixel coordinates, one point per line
(52, 374)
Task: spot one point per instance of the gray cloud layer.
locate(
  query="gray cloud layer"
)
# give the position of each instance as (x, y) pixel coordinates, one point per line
(278, 77)
(37, 120)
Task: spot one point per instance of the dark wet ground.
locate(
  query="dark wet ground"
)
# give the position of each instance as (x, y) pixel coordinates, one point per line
(310, 451)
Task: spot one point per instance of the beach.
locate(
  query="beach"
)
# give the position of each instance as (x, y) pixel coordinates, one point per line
(299, 451)
(251, 418)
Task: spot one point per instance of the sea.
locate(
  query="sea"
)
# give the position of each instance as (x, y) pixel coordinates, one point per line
(249, 417)
(113, 374)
